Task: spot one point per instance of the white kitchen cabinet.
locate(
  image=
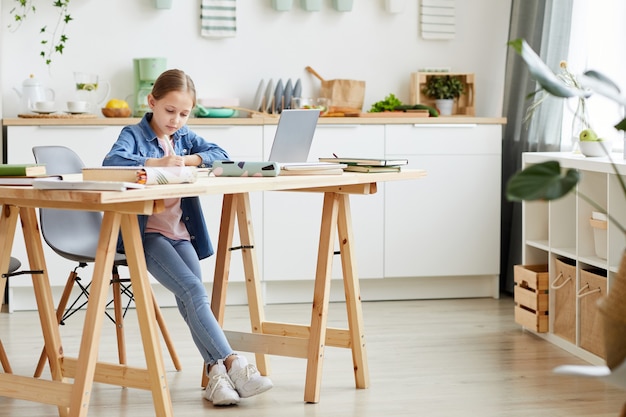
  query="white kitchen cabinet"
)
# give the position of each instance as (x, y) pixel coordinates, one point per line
(290, 251)
(560, 230)
(447, 224)
(92, 143)
(436, 237)
(242, 143)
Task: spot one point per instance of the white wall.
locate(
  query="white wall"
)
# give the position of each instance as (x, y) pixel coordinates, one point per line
(367, 44)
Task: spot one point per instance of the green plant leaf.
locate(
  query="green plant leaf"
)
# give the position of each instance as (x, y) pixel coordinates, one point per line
(621, 125)
(541, 73)
(388, 104)
(602, 85)
(543, 181)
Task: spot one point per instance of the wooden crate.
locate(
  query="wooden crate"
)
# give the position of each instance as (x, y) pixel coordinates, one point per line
(593, 287)
(531, 296)
(463, 106)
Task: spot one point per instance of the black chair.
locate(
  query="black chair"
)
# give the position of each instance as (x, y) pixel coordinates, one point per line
(74, 235)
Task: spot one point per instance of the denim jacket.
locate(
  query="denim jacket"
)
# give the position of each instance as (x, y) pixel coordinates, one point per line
(137, 143)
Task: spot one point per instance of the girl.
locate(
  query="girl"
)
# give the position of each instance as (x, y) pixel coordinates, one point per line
(176, 239)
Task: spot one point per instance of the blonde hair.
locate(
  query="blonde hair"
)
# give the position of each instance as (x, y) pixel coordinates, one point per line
(173, 80)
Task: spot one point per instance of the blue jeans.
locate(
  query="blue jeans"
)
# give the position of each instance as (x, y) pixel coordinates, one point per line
(175, 264)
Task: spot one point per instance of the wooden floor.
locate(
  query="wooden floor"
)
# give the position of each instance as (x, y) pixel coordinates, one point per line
(427, 358)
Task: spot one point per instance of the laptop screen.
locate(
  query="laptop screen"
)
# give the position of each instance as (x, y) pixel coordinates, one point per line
(294, 135)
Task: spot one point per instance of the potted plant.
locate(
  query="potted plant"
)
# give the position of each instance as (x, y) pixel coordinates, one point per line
(443, 89)
(546, 181)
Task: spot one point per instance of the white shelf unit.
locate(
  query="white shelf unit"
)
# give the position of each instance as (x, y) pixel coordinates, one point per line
(560, 229)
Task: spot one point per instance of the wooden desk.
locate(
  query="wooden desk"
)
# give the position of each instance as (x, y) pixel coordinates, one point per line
(120, 210)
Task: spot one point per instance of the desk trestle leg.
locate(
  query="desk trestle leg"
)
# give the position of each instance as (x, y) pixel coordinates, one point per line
(291, 339)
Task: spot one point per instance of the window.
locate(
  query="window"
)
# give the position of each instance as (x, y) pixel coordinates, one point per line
(597, 42)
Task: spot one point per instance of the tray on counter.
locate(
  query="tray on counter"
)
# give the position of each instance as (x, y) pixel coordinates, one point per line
(57, 116)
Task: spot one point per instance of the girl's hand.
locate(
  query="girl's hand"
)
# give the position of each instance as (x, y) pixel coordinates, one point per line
(166, 161)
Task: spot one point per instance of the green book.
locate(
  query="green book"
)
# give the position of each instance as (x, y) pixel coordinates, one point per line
(22, 170)
(365, 168)
(372, 162)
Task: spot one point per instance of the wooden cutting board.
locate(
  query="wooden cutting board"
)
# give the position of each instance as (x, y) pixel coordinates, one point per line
(57, 116)
(412, 113)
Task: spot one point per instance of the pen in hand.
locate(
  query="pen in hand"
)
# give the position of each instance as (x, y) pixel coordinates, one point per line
(169, 145)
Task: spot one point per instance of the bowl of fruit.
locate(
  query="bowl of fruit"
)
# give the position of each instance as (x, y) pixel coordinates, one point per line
(321, 103)
(591, 145)
(116, 108)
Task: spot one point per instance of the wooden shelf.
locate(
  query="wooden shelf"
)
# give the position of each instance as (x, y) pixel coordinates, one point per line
(464, 105)
(561, 230)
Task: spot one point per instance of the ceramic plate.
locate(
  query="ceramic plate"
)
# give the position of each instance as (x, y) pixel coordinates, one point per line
(269, 96)
(76, 112)
(44, 112)
(258, 98)
(297, 89)
(278, 97)
(288, 94)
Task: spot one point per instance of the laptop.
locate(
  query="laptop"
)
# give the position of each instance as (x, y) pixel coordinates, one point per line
(289, 152)
(294, 136)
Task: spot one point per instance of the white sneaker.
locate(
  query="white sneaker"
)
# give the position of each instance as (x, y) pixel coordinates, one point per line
(247, 379)
(220, 390)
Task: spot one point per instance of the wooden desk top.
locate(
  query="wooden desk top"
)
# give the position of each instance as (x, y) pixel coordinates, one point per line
(140, 200)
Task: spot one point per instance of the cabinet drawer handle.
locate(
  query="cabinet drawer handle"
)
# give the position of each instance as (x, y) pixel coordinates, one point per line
(341, 126)
(438, 126)
(72, 127)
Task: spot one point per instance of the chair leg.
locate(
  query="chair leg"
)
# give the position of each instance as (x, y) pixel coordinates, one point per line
(4, 360)
(166, 334)
(119, 316)
(119, 323)
(65, 296)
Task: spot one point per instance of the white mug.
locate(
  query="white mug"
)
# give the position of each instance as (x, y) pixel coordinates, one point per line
(43, 106)
(78, 106)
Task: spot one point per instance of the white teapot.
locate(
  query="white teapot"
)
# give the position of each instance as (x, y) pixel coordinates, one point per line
(33, 91)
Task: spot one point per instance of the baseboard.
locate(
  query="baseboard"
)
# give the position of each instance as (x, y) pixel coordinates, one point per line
(282, 292)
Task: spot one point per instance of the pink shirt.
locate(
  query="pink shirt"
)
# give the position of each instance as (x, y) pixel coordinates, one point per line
(168, 222)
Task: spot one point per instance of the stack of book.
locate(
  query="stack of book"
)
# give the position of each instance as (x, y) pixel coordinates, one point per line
(21, 174)
(141, 174)
(368, 164)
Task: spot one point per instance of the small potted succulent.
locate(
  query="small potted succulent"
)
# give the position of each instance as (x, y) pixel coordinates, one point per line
(443, 89)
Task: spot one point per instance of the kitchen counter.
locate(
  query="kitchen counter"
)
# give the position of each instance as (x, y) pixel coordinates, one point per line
(242, 121)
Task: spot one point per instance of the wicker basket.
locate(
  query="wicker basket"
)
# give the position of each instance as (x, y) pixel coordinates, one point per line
(593, 287)
(564, 287)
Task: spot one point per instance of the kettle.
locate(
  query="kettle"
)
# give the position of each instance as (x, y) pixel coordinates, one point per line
(33, 91)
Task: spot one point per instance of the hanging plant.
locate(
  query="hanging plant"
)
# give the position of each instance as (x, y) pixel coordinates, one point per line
(53, 36)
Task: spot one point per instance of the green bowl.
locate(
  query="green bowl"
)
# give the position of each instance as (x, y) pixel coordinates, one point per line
(214, 112)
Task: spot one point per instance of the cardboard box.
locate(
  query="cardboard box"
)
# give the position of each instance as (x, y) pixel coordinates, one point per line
(599, 224)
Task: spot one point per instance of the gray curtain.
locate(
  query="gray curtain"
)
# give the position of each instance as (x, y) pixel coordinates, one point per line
(545, 24)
